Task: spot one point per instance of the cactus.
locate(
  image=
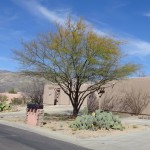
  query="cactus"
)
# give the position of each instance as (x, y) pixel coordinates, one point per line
(85, 111)
(97, 120)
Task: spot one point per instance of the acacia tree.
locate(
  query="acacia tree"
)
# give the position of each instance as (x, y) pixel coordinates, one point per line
(72, 56)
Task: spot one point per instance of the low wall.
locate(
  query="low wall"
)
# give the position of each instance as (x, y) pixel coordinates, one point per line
(34, 117)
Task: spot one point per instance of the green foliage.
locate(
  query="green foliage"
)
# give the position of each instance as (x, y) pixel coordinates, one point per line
(12, 91)
(85, 111)
(4, 106)
(97, 120)
(17, 101)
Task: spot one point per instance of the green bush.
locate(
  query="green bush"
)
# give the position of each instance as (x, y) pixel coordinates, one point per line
(4, 106)
(97, 120)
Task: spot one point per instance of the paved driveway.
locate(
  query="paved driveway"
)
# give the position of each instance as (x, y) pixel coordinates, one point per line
(16, 139)
(131, 141)
(137, 140)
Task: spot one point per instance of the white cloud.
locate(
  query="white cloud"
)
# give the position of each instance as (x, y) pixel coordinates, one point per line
(137, 47)
(49, 15)
(100, 32)
(146, 14)
(133, 47)
(43, 12)
(98, 22)
(58, 15)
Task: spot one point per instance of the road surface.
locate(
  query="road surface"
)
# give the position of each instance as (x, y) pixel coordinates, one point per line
(17, 139)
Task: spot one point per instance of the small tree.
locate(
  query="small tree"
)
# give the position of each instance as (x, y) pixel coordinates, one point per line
(72, 56)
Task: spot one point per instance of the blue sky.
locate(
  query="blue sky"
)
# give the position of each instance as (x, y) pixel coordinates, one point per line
(127, 20)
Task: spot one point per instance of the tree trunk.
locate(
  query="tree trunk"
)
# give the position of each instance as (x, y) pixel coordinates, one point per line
(75, 111)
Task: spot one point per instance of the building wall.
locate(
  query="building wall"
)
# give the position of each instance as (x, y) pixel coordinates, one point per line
(50, 93)
(63, 99)
(134, 84)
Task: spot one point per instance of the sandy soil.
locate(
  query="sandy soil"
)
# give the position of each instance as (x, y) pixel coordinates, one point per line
(61, 125)
(11, 96)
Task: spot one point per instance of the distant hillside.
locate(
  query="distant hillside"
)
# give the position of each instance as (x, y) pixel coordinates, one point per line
(4, 71)
(10, 80)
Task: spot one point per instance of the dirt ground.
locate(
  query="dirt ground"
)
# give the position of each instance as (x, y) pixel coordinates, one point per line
(11, 96)
(60, 123)
(57, 119)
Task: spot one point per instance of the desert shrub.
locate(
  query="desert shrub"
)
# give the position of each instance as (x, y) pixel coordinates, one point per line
(92, 103)
(97, 120)
(17, 101)
(3, 98)
(135, 101)
(110, 102)
(12, 91)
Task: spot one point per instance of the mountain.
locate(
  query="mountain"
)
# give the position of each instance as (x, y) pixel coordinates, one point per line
(4, 71)
(9, 80)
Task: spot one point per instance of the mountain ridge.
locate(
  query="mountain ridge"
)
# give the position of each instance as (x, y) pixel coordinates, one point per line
(9, 80)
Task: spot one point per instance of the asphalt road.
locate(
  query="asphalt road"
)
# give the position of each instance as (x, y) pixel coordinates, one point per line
(17, 139)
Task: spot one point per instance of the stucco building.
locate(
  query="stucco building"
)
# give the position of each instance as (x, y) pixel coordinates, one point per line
(54, 95)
